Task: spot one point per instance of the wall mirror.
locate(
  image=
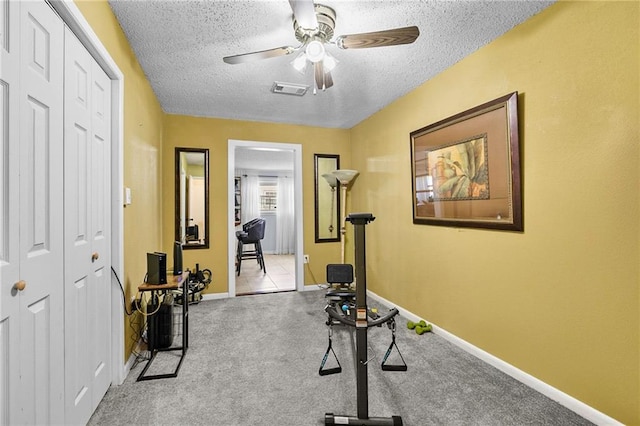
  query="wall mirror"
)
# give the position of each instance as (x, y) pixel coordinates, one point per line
(192, 197)
(327, 198)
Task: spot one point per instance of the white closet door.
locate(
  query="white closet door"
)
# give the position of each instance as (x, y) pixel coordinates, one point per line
(77, 146)
(9, 212)
(101, 232)
(87, 232)
(41, 215)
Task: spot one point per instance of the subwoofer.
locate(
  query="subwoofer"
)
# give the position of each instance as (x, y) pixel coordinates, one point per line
(160, 326)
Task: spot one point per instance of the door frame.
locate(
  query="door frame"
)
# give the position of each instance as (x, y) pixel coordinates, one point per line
(297, 189)
(75, 20)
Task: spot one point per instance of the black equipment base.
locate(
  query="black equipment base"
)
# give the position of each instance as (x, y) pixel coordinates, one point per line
(331, 419)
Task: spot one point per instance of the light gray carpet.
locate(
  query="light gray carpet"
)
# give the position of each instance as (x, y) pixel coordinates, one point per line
(254, 360)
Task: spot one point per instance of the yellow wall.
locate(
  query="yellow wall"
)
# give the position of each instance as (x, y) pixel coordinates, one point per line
(561, 300)
(142, 153)
(214, 134)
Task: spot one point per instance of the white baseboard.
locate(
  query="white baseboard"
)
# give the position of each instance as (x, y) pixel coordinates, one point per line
(549, 391)
(215, 296)
(132, 358)
(315, 287)
(129, 364)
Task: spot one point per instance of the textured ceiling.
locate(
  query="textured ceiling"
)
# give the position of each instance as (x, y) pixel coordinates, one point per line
(180, 45)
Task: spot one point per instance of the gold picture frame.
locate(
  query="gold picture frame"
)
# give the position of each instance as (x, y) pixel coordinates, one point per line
(466, 169)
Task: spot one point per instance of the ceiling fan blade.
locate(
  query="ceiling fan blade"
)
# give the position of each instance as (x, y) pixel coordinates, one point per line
(255, 56)
(318, 69)
(305, 13)
(328, 80)
(393, 37)
(323, 78)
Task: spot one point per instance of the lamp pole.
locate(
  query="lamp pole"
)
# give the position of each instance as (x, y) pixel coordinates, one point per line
(343, 226)
(345, 177)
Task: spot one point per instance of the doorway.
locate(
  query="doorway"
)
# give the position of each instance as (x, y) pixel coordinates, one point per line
(281, 264)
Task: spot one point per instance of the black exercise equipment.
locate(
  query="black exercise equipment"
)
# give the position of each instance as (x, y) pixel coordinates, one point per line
(361, 323)
(393, 367)
(334, 370)
(340, 293)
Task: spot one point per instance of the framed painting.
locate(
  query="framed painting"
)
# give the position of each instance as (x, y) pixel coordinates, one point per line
(466, 169)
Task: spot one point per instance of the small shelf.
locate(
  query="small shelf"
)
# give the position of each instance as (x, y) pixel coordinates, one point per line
(238, 201)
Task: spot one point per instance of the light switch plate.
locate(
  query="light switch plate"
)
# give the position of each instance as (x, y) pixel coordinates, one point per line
(127, 196)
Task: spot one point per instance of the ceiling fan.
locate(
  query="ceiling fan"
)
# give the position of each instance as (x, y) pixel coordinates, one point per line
(313, 25)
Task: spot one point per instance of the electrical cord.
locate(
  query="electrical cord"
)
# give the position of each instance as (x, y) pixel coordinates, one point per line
(321, 286)
(124, 297)
(139, 356)
(146, 314)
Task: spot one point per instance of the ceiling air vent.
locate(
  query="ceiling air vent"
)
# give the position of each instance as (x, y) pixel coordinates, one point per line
(289, 88)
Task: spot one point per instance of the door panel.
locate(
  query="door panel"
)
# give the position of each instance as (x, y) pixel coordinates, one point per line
(101, 230)
(77, 196)
(9, 212)
(87, 247)
(41, 210)
(77, 349)
(37, 331)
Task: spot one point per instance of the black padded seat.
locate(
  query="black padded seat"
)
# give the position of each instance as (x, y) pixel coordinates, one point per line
(340, 278)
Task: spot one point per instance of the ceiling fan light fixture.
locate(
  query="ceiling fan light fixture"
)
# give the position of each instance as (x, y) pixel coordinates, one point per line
(329, 62)
(315, 51)
(300, 62)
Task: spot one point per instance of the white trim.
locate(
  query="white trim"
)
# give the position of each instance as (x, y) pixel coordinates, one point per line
(297, 189)
(315, 287)
(131, 361)
(75, 20)
(549, 391)
(215, 296)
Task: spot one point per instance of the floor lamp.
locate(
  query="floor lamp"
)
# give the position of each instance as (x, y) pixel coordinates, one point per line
(345, 177)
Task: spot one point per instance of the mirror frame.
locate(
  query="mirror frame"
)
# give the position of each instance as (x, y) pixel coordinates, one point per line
(317, 181)
(204, 151)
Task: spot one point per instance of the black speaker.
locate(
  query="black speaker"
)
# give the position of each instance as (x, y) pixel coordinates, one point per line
(160, 326)
(177, 258)
(156, 268)
(339, 273)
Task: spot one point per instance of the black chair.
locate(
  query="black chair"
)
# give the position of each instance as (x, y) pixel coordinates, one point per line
(252, 233)
(192, 233)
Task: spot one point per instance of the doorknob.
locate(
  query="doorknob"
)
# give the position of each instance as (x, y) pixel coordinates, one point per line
(95, 256)
(20, 285)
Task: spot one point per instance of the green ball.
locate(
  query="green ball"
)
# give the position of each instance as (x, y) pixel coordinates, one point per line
(411, 325)
(422, 323)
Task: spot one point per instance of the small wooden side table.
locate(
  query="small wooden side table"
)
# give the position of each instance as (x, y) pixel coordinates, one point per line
(174, 282)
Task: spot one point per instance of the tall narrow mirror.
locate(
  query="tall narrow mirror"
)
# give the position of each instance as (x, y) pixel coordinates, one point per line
(192, 197)
(327, 198)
